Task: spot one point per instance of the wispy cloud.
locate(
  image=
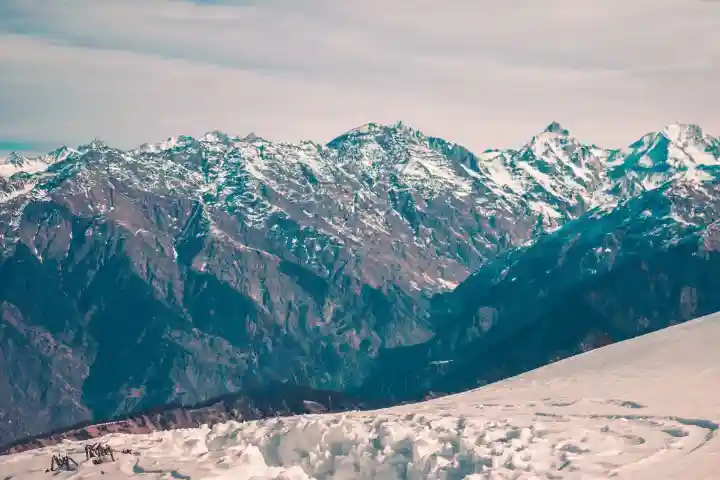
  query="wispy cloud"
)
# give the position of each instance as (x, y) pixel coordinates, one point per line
(484, 73)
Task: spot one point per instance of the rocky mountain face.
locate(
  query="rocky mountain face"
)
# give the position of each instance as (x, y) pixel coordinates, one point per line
(610, 275)
(183, 270)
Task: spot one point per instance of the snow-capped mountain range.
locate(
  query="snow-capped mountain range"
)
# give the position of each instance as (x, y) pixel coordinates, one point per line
(193, 267)
(378, 170)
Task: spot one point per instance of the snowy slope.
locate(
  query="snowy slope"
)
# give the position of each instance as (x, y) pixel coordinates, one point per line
(647, 408)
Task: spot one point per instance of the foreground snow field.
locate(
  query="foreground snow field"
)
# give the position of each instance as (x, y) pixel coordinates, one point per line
(648, 408)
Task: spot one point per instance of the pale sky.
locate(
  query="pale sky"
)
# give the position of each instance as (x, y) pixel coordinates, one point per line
(484, 73)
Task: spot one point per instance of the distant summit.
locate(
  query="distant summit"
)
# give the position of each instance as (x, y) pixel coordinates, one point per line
(555, 127)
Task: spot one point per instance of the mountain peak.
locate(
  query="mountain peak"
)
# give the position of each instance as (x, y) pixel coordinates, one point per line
(372, 129)
(58, 155)
(678, 131)
(96, 144)
(16, 159)
(400, 125)
(555, 127)
(253, 137)
(215, 136)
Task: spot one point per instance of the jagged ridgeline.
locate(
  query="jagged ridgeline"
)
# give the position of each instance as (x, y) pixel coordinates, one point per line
(183, 270)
